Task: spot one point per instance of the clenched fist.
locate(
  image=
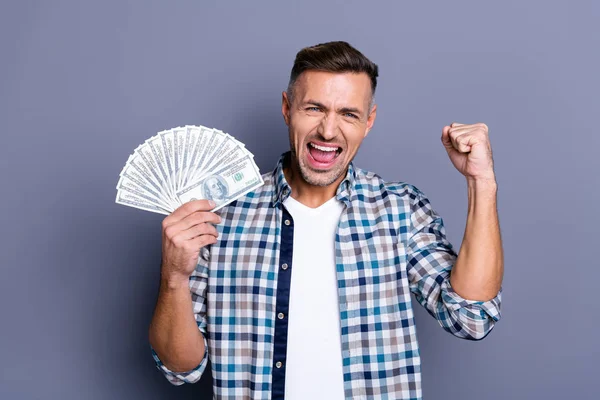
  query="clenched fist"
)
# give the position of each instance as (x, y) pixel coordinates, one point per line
(184, 233)
(469, 149)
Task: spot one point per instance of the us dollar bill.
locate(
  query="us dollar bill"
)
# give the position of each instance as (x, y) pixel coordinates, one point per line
(131, 200)
(224, 185)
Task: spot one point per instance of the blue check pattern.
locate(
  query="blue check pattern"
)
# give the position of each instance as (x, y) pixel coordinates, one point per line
(389, 243)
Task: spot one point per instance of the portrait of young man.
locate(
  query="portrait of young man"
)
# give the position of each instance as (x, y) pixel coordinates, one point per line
(305, 288)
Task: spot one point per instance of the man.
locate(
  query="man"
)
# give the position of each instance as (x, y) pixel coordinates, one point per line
(302, 290)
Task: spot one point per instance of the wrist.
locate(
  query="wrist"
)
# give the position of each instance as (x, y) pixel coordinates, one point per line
(488, 185)
(482, 195)
(174, 281)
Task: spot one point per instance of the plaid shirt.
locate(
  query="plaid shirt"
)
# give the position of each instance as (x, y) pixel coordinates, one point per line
(389, 243)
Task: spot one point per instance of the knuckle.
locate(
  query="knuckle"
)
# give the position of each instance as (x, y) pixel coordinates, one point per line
(178, 242)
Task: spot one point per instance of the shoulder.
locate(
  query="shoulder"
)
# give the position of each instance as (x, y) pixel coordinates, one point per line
(370, 185)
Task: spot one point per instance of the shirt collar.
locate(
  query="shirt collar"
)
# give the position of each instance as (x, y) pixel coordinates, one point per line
(283, 190)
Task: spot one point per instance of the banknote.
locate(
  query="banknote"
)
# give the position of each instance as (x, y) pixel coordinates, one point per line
(187, 144)
(178, 142)
(155, 148)
(185, 163)
(200, 145)
(224, 185)
(131, 200)
(148, 161)
(167, 140)
(140, 173)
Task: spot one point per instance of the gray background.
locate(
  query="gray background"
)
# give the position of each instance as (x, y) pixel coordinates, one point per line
(83, 83)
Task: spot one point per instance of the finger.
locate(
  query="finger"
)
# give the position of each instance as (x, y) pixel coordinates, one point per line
(455, 133)
(463, 129)
(201, 241)
(187, 209)
(455, 124)
(465, 142)
(197, 218)
(446, 140)
(198, 230)
(478, 126)
(462, 144)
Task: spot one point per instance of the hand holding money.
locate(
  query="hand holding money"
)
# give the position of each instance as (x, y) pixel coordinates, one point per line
(184, 233)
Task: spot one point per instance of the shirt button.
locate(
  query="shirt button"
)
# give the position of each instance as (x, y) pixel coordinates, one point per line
(284, 266)
(279, 364)
(287, 222)
(280, 315)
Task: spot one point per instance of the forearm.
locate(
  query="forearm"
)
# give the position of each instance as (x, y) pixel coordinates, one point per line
(174, 333)
(477, 273)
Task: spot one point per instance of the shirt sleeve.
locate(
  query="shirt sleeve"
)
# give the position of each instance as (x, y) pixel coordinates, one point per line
(430, 258)
(198, 284)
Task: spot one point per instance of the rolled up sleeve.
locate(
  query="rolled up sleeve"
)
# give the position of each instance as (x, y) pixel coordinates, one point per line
(430, 258)
(198, 284)
(179, 378)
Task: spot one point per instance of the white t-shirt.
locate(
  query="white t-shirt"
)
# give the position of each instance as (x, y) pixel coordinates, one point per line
(314, 353)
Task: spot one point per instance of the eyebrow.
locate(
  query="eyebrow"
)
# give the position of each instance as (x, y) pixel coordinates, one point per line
(342, 110)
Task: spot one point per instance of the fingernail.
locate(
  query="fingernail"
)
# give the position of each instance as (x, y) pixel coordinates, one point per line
(211, 203)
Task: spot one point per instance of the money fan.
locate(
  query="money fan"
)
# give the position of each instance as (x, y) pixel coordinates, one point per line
(184, 164)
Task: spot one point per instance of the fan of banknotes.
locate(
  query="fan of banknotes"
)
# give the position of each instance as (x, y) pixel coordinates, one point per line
(187, 163)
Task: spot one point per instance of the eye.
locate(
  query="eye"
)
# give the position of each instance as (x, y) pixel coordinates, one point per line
(313, 108)
(350, 115)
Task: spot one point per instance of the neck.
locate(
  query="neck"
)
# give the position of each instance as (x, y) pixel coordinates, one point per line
(305, 193)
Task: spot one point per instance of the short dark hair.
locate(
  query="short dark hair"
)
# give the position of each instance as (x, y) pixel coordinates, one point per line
(333, 57)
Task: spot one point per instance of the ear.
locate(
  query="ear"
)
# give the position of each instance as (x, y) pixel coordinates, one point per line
(371, 119)
(285, 107)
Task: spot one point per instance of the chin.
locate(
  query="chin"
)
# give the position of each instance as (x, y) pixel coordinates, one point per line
(321, 178)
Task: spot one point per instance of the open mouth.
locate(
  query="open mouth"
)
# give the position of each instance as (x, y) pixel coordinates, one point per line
(323, 156)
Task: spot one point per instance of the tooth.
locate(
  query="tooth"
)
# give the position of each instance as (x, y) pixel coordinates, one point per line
(323, 148)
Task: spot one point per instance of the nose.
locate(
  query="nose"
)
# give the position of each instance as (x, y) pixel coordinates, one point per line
(328, 127)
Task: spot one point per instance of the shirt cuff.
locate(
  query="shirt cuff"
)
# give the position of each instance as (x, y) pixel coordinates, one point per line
(179, 378)
(477, 310)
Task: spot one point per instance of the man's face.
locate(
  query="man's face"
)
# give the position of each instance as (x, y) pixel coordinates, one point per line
(328, 118)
